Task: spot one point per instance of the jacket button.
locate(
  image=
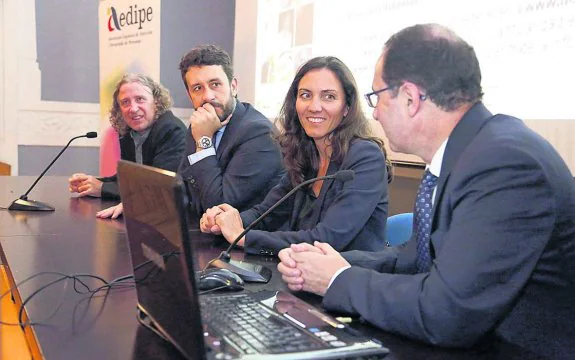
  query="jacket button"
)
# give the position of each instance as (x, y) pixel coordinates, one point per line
(192, 181)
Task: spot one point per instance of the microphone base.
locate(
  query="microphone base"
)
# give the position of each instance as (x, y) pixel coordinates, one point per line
(247, 271)
(29, 205)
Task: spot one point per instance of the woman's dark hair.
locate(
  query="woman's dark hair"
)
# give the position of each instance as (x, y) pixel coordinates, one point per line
(299, 151)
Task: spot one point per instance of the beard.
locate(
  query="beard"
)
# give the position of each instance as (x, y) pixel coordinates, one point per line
(226, 109)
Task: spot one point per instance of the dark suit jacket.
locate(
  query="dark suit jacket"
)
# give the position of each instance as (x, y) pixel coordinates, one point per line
(247, 164)
(163, 149)
(503, 243)
(348, 215)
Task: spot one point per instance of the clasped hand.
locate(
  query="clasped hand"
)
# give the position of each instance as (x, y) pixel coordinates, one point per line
(310, 267)
(223, 219)
(85, 185)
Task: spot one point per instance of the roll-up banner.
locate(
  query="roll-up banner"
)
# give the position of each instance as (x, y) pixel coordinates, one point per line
(129, 33)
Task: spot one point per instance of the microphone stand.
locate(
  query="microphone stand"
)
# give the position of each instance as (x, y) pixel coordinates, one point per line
(254, 272)
(23, 203)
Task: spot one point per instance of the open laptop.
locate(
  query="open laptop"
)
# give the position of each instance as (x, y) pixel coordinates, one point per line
(214, 326)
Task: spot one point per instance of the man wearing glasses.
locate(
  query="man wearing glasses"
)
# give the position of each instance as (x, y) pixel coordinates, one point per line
(493, 247)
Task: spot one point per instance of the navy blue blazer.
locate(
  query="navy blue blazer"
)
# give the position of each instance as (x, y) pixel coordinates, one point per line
(503, 244)
(163, 148)
(348, 215)
(247, 164)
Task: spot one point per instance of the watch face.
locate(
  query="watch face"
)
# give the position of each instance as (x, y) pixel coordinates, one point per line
(205, 142)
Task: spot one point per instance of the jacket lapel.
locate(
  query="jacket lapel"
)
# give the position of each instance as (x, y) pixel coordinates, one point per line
(128, 148)
(459, 139)
(147, 148)
(226, 141)
(297, 202)
(327, 184)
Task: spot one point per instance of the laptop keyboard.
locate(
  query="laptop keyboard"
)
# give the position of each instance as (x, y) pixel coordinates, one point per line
(252, 327)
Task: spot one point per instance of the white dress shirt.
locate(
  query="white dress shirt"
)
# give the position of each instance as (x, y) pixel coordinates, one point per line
(435, 169)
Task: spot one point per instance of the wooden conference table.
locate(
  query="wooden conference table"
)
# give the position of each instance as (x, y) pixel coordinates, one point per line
(71, 240)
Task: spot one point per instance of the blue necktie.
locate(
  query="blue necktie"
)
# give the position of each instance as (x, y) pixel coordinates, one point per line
(422, 220)
(215, 140)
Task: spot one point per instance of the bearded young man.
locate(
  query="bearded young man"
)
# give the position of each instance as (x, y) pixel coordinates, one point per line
(230, 155)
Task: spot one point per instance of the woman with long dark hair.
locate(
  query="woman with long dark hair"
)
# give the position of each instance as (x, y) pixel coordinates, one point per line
(322, 130)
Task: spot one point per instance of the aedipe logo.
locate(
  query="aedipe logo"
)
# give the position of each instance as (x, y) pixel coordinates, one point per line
(133, 16)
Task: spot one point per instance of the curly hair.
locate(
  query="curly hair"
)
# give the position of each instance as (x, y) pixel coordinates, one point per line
(162, 100)
(299, 151)
(435, 58)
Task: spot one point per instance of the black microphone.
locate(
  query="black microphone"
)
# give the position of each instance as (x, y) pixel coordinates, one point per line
(255, 272)
(23, 204)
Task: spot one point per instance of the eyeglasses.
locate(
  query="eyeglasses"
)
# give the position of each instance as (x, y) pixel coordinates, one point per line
(372, 96)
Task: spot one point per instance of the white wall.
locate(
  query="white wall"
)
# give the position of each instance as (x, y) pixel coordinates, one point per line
(8, 152)
(27, 120)
(525, 59)
(24, 118)
(244, 56)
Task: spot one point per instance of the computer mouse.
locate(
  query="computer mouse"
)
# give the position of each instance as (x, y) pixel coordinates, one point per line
(211, 279)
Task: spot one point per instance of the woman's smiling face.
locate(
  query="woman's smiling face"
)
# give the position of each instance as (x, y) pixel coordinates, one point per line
(320, 103)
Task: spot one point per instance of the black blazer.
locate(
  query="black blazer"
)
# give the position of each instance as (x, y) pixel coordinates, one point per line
(246, 166)
(503, 244)
(348, 215)
(163, 149)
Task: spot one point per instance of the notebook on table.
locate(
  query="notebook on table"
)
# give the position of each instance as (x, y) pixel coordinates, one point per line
(232, 325)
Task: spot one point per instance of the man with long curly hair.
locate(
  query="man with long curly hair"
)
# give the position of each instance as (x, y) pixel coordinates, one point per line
(149, 134)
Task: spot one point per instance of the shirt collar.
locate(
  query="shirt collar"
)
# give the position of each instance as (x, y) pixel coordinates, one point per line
(137, 135)
(437, 160)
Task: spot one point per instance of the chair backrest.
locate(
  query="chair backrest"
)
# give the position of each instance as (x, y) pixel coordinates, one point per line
(399, 228)
(5, 169)
(109, 152)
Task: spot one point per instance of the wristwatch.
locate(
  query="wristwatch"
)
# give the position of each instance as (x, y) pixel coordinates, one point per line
(205, 142)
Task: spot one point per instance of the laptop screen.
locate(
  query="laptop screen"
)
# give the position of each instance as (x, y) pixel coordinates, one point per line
(163, 261)
(157, 228)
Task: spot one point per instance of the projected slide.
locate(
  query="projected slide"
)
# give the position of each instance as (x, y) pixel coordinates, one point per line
(525, 47)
